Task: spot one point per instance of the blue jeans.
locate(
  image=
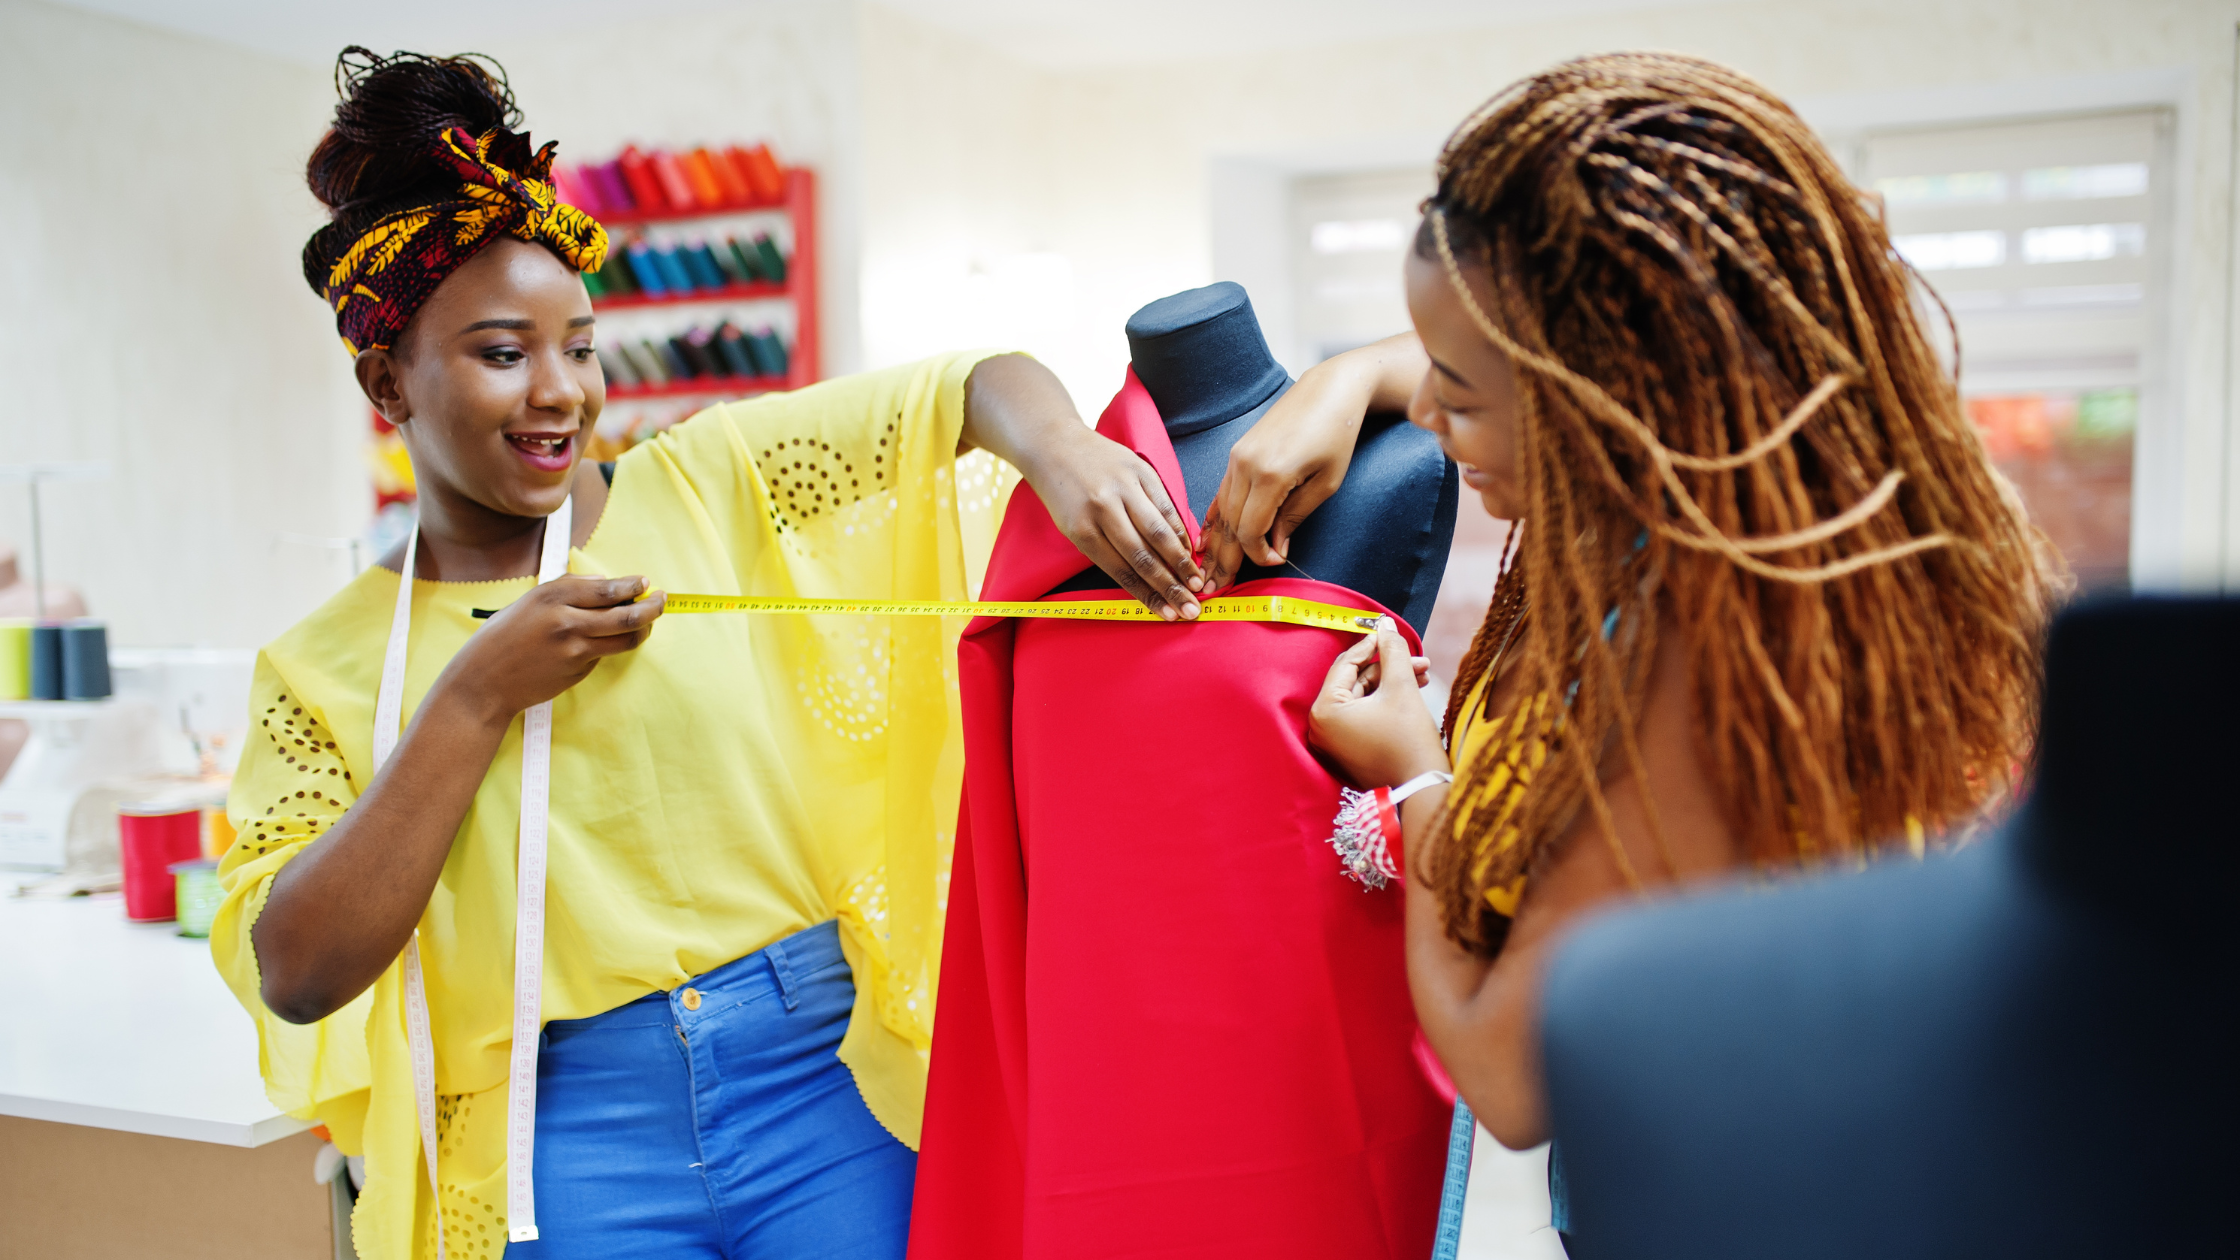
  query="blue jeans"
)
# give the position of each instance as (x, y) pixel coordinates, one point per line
(717, 1121)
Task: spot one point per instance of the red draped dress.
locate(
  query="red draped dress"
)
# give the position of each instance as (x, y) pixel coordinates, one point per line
(1169, 1025)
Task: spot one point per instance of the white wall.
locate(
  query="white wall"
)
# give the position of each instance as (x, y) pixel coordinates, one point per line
(681, 75)
(958, 223)
(1126, 163)
(153, 316)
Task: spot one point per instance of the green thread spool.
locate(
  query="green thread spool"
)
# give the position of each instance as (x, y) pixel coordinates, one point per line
(15, 660)
(199, 894)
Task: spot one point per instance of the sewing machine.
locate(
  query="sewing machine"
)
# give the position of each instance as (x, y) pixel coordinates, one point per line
(177, 715)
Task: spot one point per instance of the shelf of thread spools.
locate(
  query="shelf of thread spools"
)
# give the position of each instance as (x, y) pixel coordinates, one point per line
(709, 290)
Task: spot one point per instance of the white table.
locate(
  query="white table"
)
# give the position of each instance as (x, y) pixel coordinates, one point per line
(125, 1026)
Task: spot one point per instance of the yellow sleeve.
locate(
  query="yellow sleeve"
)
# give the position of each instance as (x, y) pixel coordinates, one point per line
(291, 785)
(807, 463)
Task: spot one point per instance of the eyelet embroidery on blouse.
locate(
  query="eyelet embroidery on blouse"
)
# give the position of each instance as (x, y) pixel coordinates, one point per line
(809, 479)
(323, 791)
(853, 707)
(903, 1004)
(472, 1226)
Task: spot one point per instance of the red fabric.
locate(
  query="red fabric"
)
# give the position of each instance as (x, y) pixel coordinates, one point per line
(1200, 1043)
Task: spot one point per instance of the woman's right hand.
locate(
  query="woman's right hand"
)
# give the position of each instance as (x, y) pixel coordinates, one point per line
(548, 641)
(1370, 717)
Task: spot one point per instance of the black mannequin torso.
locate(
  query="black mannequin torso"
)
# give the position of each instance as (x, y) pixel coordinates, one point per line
(1385, 533)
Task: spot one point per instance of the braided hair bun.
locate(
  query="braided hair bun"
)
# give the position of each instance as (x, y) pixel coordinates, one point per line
(381, 154)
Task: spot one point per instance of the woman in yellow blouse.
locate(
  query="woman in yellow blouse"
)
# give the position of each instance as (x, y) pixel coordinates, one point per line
(728, 833)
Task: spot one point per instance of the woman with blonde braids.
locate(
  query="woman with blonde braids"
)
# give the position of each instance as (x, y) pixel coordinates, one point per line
(1770, 605)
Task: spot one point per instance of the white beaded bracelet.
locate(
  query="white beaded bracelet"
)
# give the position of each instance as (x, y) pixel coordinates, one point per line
(1367, 832)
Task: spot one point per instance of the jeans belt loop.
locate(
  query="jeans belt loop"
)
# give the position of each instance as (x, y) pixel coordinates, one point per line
(781, 966)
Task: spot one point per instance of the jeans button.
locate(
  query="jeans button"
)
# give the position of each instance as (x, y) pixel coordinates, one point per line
(692, 999)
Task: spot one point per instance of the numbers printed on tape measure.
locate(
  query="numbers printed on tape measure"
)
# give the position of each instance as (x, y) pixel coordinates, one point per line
(1278, 608)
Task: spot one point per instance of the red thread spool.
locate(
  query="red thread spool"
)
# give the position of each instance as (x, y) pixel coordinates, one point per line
(150, 837)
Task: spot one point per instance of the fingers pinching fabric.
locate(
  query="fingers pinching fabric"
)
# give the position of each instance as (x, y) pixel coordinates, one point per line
(505, 190)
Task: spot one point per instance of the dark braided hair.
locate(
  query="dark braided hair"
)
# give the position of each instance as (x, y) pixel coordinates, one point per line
(1729, 415)
(379, 156)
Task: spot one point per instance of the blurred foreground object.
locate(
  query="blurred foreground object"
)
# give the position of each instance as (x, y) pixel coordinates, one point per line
(2022, 1049)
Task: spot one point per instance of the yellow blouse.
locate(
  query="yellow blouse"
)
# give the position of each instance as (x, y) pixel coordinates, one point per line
(735, 780)
(1503, 788)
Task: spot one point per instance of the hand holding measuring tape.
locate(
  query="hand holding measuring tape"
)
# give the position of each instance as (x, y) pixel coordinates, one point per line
(550, 639)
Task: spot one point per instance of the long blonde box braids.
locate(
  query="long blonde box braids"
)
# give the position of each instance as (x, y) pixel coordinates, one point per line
(1729, 413)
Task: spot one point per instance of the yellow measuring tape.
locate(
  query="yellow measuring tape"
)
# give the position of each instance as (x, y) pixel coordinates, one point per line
(1295, 612)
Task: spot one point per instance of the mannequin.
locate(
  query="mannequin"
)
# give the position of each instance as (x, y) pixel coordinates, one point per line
(2020, 1049)
(1385, 533)
(1199, 1044)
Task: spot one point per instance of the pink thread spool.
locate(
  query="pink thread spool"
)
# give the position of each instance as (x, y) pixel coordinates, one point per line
(150, 837)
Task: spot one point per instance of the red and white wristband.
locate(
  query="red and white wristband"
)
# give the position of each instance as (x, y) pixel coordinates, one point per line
(1368, 829)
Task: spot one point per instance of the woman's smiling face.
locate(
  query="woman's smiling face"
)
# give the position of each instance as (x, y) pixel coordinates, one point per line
(1469, 397)
(497, 386)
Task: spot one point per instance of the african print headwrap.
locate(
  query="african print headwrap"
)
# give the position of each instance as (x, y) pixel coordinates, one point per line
(377, 284)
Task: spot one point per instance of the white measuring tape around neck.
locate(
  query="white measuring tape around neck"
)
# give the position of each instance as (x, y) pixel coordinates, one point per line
(528, 921)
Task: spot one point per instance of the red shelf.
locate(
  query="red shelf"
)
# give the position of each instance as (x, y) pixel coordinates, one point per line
(639, 218)
(711, 385)
(729, 293)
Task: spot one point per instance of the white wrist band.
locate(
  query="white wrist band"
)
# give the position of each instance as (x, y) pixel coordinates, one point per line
(1417, 784)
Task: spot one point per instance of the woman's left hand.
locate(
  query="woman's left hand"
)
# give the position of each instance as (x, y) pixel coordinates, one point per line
(1112, 506)
(1370, 717)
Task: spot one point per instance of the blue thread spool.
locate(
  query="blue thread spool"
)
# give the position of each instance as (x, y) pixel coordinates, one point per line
(85, 660)
(46, 662)
(646, 270)
(770, 353)
(673, 273)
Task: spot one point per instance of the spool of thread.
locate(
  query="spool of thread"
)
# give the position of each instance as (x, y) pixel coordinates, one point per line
(217, 832)
(645, 187)
(736, 190)
(85, 660)
(673, 272)
(679, 369)
(674, 185)
(749, 261)
(150, 837)
(720, 253)
(698, 172)
(646, 270)
(762, 173)
(769, 353)
(614, 190)
(46, 662)
(700, 264)
(696, 360)
(569, 185)
(768, 260)
(196, 895)
(706, 253)
(617, 368)
(733, 347)
(15, 660)
(615, 277)
(650, 368)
